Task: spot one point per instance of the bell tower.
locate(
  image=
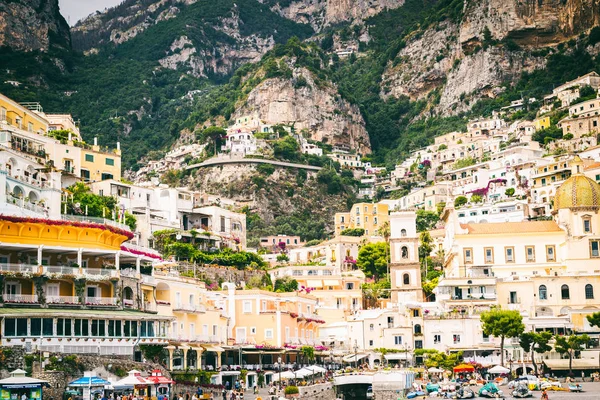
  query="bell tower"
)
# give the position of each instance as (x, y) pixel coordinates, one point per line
(405, 268)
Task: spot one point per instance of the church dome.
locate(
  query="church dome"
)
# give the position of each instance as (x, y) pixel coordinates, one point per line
(578, 191)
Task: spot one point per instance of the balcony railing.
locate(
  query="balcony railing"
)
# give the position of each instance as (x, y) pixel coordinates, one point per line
(128, 303)
(59, 269)
(18, 268)
(150, 307)
(190, 307)
(101, 271)
(62, 300)
(101, 301)
(20, 298)
(97, 220)
(148, 280)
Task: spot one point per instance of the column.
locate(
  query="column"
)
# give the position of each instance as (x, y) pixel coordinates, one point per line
(138, 262)
(218, 360)
(39, 254)
(171, 349)
(117, 260)
(80, 259)
(199, 351)
(185, 351)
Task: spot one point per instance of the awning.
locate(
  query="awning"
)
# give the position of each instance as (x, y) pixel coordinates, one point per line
(313, 283)
(354, 358)
(331, 282)
(214, 349)
(578, 363)
(397, 356)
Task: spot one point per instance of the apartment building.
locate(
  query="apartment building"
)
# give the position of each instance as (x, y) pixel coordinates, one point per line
(367, 216)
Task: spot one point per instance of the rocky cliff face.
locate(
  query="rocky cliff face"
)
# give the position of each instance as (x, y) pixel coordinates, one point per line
(314, 106)
(455, 58)
(33, 25)
(321, 13)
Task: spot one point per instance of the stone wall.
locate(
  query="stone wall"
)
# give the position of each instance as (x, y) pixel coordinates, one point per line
(387, 394)
(11, 358)
(57, 380)
(322, 391)
(227, 274)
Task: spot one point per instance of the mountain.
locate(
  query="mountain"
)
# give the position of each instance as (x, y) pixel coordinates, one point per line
(33, 25)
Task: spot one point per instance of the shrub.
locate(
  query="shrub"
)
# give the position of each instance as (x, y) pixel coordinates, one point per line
(265, 169)
(353, 232)
(510, 192)
(460, 201)
(291, 390)
(442, 147)
(476, 198)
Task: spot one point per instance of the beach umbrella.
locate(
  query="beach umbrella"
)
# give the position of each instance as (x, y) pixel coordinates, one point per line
(317, 369)
(435, 370)
(498, 369)
(464, 368)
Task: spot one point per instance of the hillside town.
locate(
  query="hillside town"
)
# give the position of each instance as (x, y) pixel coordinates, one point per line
(500, 218)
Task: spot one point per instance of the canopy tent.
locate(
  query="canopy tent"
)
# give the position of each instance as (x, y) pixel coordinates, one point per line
(317, 369)
(464, 368)
(133, 379)
(284, 375)
(18, 380)
(397, 356)
(87, 381)
(434, 370)
(354, 358)
(157, 378)
(578, 363)
(304, 372)
(498, 369)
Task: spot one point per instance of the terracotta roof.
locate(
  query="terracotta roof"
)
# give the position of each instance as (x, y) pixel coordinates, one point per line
(592, 166)
(511, 227)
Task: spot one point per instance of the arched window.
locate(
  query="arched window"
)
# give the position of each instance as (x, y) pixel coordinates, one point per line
(403, 232)
(543, 292)
(564, 292)
(589, 291)
(406, 279)
(417, 329)
(404, 252)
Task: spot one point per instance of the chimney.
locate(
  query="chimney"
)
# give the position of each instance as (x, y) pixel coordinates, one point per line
(95, 141)
(118, 145)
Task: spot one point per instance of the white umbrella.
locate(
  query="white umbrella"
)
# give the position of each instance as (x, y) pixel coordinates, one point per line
(304, 372)
(284, 375)
(317, 369)
(435, 370)
(498, 369)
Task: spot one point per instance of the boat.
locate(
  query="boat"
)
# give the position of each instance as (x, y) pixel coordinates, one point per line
(575, 387)
(416, 394)
(465, 393)
(522, 390)
(490, 390)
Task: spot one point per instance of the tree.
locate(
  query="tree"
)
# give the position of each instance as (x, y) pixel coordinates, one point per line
(372, 259)
(439, 359)
(215, 135)
(286, 149)
(308, 353)
(535, 343)
(286, 284)
(509, 192)
(460, 201)
(358, 232)
(282, 258)
(570, 345)
(594, 319)
(503, 324)
(426, 220)
(476, 198)
(425, 245)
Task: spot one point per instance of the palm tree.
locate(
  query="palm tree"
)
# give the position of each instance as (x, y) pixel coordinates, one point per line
(384, 230)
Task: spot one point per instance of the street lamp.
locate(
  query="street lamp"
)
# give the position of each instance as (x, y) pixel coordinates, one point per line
(355, 354)
(279, 364)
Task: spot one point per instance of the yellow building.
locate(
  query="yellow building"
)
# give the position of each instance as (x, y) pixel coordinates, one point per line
(367, 216)
(28, 129)
(542, 123)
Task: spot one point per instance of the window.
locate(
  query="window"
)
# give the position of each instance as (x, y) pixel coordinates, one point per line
(437, 339)
(114, 328)
(247, 307)
(512, 298)
(594, 248)
(82, 327)
(110, 161)
(564, 292)
(530, 253)
(418, 344)
(509, 253)
(416, 313)
(406, 279)
(468, 256)
(30, 127)
(550, 256)
(397, 340)
(456, 338)
(98, 327)
(89, 157)
(390, 322)
(543, 292)
(253, 330)
(587, 225)
(85, 174)
(15, 327)
(268, 333)
(106, 176)
(417, 329)
(489, 254)
(63, 327)
(589, 292)
(371, 327)
(403, 232)
(350, 286)
(370, 343)
(404, 252)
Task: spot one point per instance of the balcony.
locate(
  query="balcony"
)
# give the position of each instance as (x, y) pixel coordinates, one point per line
(200, 308)
(21, 298)
(59, 269)
(148, 280)
(112, 273)
(63, 300)
(150, 307)
(96, 220)
(18, 268)
(128, 303)
(101, 301)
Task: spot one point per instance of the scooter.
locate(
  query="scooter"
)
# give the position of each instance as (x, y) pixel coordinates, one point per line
(522, 391)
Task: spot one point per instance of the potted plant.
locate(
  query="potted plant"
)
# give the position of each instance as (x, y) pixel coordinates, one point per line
(292, 392)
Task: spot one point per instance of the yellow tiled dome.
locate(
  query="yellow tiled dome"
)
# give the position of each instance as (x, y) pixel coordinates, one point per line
(577, 191)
